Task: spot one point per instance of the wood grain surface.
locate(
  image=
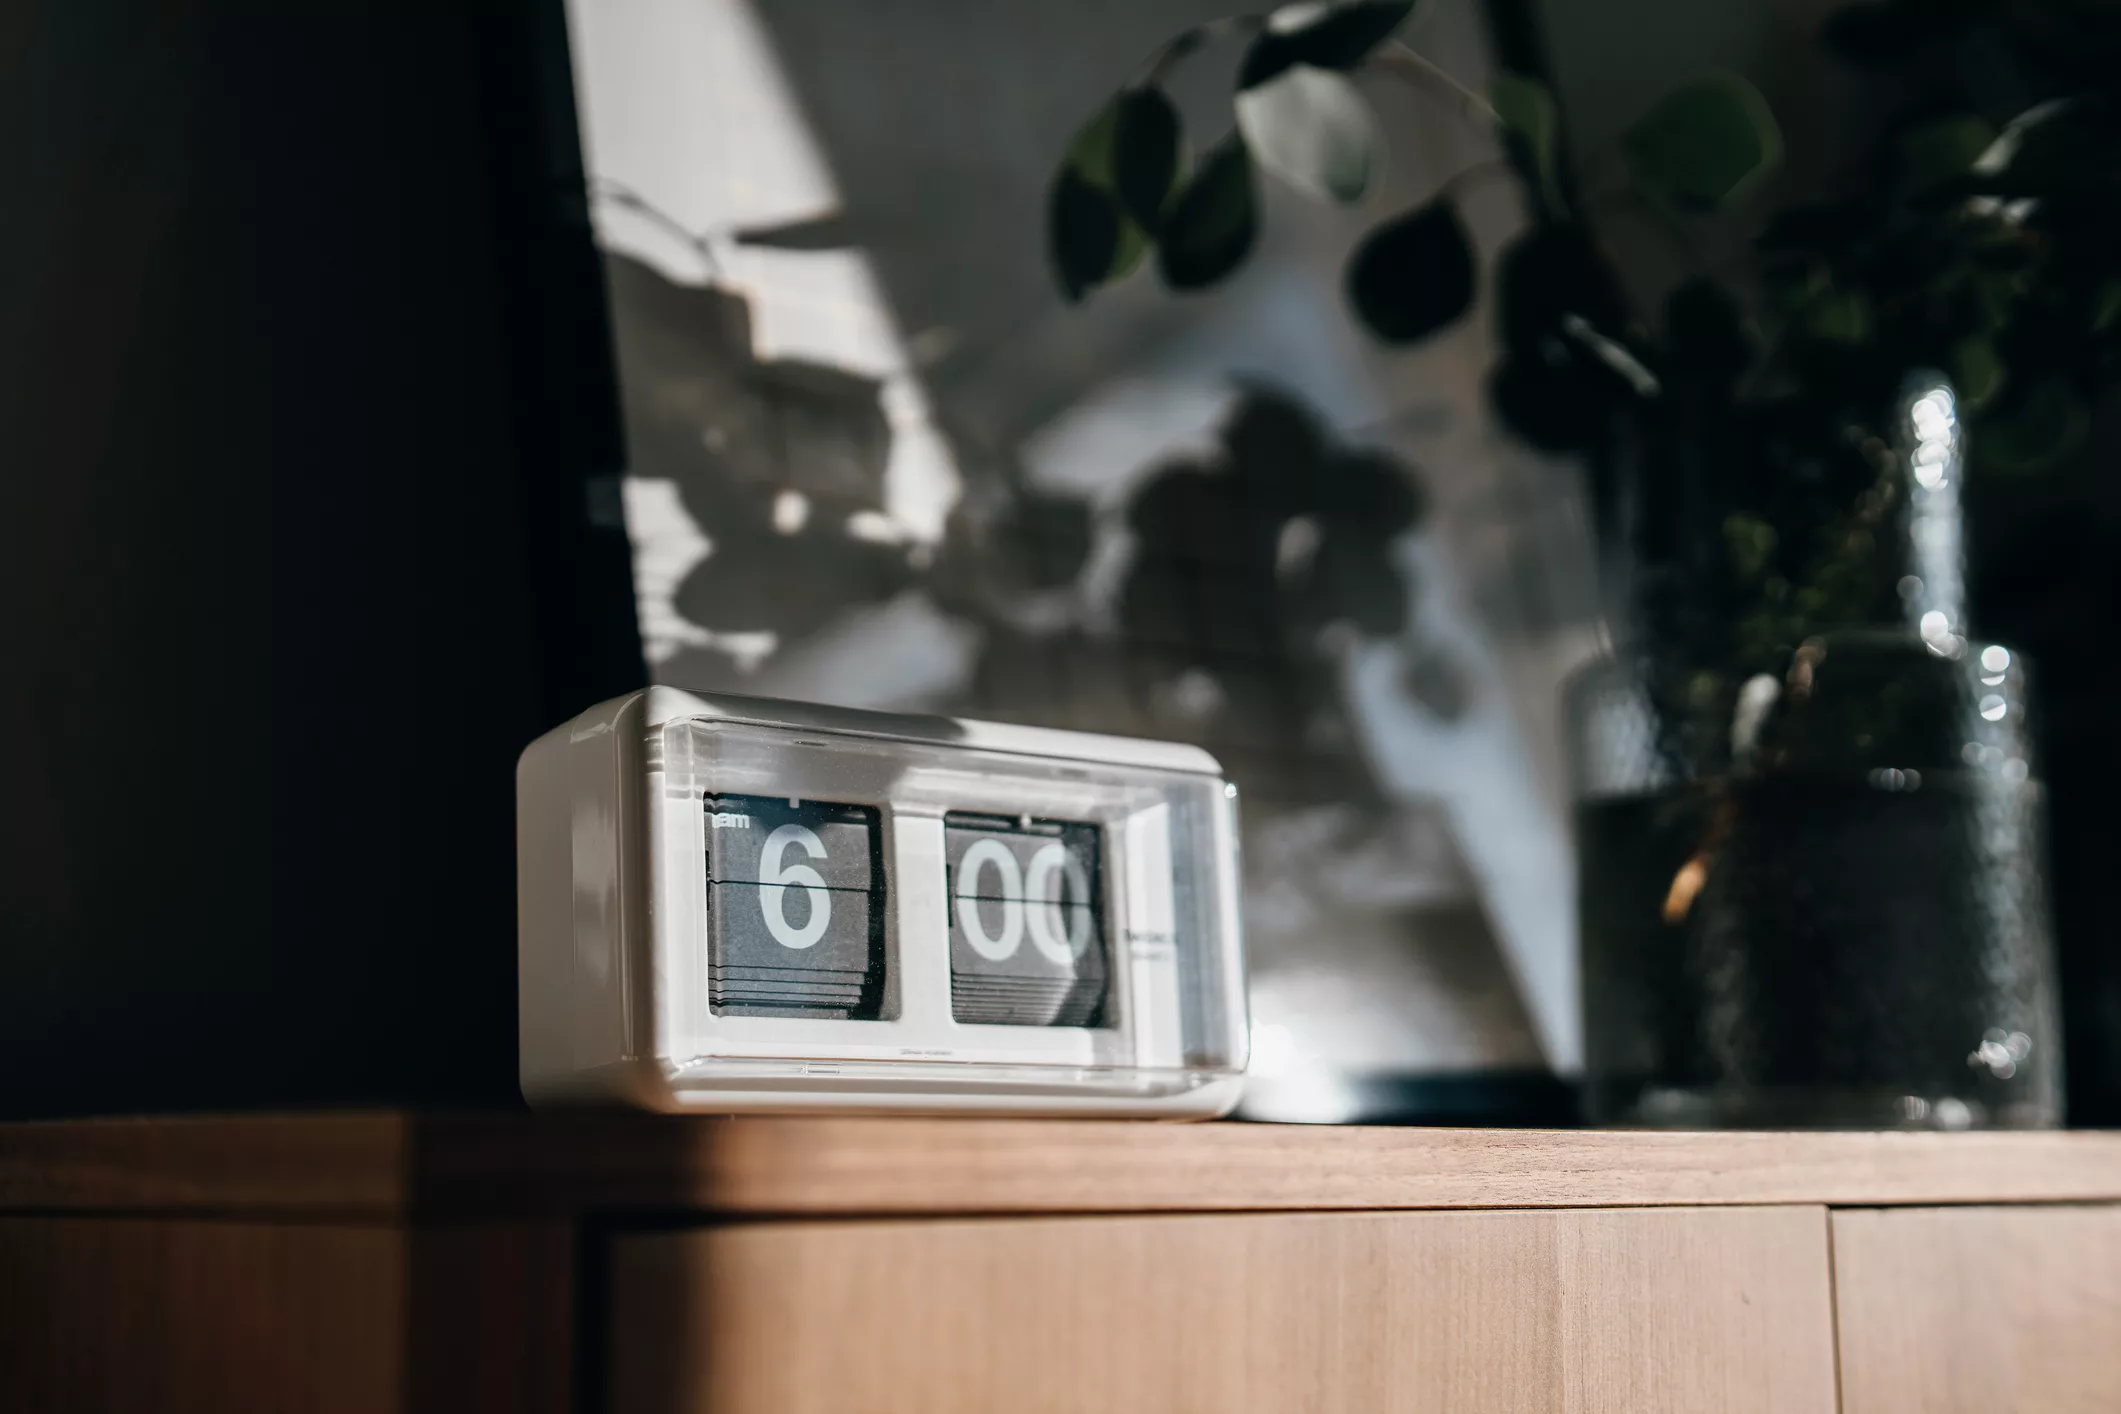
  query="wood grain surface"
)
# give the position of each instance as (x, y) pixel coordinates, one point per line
(1585, 1312)
(1979, 1310)
(558, 1164)
(118, 1316)
(131, 1315)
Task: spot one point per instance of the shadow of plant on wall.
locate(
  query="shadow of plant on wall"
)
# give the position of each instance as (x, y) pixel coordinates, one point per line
(1249, 570)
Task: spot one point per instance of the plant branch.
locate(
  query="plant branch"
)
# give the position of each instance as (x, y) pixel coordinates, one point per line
(1487, 169)
(1413, 64)
(1185, 42)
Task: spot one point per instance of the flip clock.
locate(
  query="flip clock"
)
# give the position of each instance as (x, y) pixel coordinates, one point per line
(732, 904)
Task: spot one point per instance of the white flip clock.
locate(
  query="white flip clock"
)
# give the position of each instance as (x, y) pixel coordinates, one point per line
(731, 904)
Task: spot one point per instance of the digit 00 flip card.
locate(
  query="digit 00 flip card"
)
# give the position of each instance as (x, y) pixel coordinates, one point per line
(1027, 933)
(795, 907)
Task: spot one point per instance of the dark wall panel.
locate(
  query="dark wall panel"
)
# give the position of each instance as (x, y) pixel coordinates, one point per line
(300, 400)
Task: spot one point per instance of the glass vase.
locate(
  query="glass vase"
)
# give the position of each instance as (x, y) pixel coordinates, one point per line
(1845, 926)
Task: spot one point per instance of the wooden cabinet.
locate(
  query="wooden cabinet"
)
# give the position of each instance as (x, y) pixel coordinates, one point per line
(1979, 1310)
(371, 1264)
(1593, 1312)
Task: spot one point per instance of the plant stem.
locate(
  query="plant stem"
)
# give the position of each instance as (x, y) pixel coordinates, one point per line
(1185, 42)
(1486, 169)
(1412, 63)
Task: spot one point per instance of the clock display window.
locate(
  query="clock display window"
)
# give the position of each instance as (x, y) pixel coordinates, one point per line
(1027, 933)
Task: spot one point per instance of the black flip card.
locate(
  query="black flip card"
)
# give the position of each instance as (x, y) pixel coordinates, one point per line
(1027, 936)
(795, 908)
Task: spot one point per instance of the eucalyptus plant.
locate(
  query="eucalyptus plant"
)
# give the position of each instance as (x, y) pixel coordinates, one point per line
(1126, 188)
(1738, 444)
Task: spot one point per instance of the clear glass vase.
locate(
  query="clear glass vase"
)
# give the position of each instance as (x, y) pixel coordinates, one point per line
(1845, 926)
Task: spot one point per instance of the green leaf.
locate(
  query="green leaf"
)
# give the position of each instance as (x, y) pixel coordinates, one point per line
(1882, 33)
(1549, 273)
(1531, 121)
(1312, 129)
(1413, 275)
(1838, 316)
(1977, 372)
(2106, 305)
(1089, 235)
(1551, 406)
(1145, 154)
(1994, 298)
(1323, 36)
(1083, 234)
(1705, 331)
(1931, 154)
(1133, 245)
(1751, 543)
(1090, 152)
(2034, 429)
(1706, 144)
(1211, 225)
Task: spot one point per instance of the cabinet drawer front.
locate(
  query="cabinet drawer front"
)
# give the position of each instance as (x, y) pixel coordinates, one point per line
(1995, 1310)
(1631, 1311)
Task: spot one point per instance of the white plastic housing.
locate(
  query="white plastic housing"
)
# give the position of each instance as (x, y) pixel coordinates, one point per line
(613, 835)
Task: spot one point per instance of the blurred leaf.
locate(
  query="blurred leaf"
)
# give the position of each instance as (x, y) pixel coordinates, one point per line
(2033, 429)
(1083, 234)
(1211, 225)
(1325, 37)
(1351, 580)
(1751, 543)
(1133, 245)
(1880, 33)
(1546, 275)
(1931, 154)
(1312, 129)
(1838, 316)
(1706, 144)
(1089, 152)
(1275, 448)
(1809, 227)
(1413, 275)
(1995, 297)
(2004, 152)
(1706, 331)
(1145, 153)
(1556, 409)
(1372, 491)
(2055, 148)
(1977, 372)
(1000, 544)
(2107, 304)
(2003, 249)
(1531, 121)
(1088, 234)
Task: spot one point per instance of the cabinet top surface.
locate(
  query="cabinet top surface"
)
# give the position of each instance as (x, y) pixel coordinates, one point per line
(392, 1163)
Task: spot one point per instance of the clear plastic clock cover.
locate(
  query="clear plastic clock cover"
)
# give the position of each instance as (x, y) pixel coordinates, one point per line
(775, 905)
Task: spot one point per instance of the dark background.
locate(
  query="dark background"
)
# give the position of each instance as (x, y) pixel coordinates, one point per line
(307, 525)
(303, 381)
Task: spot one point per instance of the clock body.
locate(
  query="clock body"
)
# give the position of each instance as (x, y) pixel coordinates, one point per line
(733, 904)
